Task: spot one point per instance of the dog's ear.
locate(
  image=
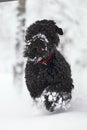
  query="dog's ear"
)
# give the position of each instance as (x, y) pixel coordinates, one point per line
(59, 30)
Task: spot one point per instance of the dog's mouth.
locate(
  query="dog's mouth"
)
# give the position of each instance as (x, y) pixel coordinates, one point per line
(41, 60)
(35, 59)
(37, 54)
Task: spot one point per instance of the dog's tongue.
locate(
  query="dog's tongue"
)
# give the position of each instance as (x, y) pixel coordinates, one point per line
(46, 60)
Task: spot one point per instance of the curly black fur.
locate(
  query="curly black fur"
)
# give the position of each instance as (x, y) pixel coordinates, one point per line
(51, 76)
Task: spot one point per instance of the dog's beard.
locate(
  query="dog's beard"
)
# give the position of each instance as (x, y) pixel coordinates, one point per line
(35, 56)
(38, 58)
(35, 59)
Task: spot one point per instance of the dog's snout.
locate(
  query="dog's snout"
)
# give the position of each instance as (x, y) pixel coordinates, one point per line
(38, 49)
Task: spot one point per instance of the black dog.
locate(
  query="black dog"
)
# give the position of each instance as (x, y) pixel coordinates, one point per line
(47, 74)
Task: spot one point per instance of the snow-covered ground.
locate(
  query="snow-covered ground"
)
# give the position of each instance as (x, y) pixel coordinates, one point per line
(17, 110)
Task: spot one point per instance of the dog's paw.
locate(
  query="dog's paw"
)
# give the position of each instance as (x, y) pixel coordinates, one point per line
(56, 100)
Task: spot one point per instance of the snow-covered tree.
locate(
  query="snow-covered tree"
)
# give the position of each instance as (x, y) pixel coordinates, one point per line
(18, 67)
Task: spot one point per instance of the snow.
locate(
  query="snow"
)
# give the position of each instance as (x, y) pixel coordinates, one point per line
(17, 110)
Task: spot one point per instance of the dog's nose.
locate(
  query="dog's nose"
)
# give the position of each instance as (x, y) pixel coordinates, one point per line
(39, 49)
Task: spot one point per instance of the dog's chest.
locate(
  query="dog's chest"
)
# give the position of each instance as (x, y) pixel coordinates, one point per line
(38, 70)
(43, 72)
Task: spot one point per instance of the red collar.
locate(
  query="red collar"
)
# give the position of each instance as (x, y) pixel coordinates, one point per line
(46, 60)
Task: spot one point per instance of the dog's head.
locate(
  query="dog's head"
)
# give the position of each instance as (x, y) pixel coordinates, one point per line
(41, 39)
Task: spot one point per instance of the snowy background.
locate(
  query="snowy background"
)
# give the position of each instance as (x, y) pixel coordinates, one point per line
(17, 110)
